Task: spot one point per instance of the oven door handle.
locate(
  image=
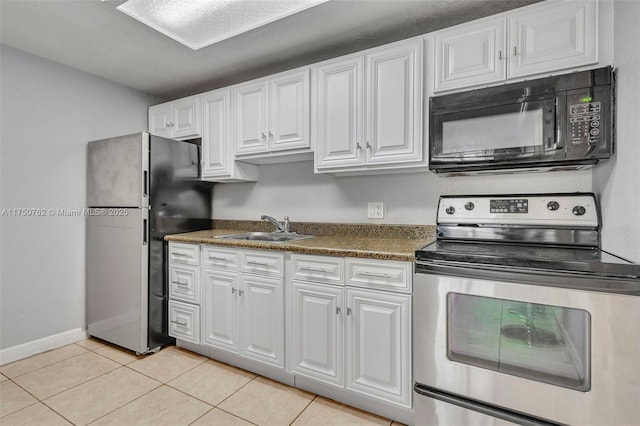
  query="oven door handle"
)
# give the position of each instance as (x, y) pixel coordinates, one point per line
(480, 407)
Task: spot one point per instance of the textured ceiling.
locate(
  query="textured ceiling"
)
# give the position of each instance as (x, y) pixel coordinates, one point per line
(93, 36)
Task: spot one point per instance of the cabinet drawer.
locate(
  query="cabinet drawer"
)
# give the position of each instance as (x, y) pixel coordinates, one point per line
(184, 321)
(322, 269)
(262, 263)
(188, 254)
(184, 283)
(381, 274)
(220, 258)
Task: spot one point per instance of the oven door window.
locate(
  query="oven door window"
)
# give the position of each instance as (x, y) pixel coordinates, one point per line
(545, 343)
(516, 130)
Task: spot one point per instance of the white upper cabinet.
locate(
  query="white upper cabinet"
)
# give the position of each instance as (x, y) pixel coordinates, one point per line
(552, 37)
(541, 38)
(471, 54)
(218, 162)
(180, 119)
(368, 113)
(272, 117)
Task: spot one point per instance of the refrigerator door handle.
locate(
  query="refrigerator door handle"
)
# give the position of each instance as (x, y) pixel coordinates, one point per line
(145, 183)
(144, 232)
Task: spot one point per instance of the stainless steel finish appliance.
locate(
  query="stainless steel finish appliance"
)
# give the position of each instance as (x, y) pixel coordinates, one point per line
(553, 123)
(520, 317)
(139, 188)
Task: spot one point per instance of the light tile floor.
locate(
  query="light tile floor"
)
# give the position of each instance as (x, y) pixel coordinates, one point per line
(91, 382)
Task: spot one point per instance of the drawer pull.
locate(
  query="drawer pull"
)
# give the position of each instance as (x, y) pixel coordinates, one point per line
(253, 262)
(337, 310)
(374, 274)
(180, 283)
(348, 311)
(179, 254)
(183, 324)
(223, 259)
(308, 268)
(240, 292)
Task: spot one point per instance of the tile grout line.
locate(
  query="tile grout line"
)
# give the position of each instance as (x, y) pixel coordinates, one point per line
(48, 365)
(304, 409)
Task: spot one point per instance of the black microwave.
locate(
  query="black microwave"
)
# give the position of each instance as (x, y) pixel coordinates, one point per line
(553, 123)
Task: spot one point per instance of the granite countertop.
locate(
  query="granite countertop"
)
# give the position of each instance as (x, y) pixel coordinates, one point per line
(386, 242)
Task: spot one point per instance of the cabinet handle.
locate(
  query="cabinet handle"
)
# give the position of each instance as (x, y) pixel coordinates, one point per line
(307, 268)
(217, 258)
(264, 136)
(253, 262)
(337, 310)
(358, 145)
(169, 124)
(270, 134)
(179, 323)
(500, 55)
(515, 50)
(240, 292)
(373, 274)
(369, 146)
(348, 311)
(178, 254)
(233, 290)
(180, 283)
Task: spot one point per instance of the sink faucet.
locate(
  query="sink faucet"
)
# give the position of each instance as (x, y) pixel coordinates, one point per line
(280, 227)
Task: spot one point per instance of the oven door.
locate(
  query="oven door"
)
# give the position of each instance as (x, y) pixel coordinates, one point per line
(498, 134)
(508, 344)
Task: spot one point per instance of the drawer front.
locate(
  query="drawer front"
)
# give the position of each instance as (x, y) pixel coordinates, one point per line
(322, 269)
(262, 262)
(185, 253)
(220, 258)
(184, 283)
(184, 321)
(380, 274)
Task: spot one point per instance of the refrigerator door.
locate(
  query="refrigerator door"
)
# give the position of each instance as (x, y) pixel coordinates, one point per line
(118, 171)
(117, 276)
(179, 203)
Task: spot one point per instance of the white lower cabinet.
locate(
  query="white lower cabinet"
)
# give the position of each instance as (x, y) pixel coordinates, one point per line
(184, 321)
(352, 338)
(243, 312)
(184, 291)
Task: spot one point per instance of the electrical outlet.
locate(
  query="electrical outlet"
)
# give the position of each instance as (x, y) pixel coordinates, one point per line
(375, 210)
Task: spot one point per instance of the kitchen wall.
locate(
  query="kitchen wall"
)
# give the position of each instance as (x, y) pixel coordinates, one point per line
(294, 190)
(617, 182)
(49, 112)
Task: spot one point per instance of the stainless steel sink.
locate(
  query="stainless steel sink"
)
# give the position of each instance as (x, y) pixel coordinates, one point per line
(272, 237)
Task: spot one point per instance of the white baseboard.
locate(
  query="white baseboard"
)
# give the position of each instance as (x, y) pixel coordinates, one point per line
(24, 350)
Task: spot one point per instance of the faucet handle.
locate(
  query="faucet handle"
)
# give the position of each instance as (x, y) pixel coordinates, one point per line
(287, 225)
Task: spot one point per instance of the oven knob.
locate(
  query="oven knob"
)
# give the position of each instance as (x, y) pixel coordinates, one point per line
(578, 210)
(469, 206)
(553, 205)
(450, 210)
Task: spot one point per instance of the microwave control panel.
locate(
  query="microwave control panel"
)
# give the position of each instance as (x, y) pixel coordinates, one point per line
(588, 121)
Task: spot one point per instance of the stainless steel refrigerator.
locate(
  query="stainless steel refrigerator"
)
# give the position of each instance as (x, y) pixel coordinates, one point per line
(140, 188)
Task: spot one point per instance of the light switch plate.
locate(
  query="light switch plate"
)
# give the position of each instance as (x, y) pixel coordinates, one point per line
(375, 210)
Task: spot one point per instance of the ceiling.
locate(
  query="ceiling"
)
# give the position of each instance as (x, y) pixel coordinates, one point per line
(93, 36)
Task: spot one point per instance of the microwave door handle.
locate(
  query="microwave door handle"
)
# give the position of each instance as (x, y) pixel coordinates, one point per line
(560, 121)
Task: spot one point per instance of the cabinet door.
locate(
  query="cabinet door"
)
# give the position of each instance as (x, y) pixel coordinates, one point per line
(394, 104)
(289, 111)
(379, 345)
(340, 113)
(186, 118)
(552, 37)
(471, 54)
(317, 325)
(160, 117)
(262, 319)
(251, 105)
(216, 134)
(219, 306)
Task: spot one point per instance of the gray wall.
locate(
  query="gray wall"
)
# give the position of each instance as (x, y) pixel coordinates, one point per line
(49, 112)
(294, 190)
(618, 182)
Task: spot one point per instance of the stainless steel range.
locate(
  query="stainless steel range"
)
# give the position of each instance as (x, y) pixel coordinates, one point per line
(520, 317)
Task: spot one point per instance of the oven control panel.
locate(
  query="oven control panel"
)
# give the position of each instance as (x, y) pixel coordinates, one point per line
(535, 209)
